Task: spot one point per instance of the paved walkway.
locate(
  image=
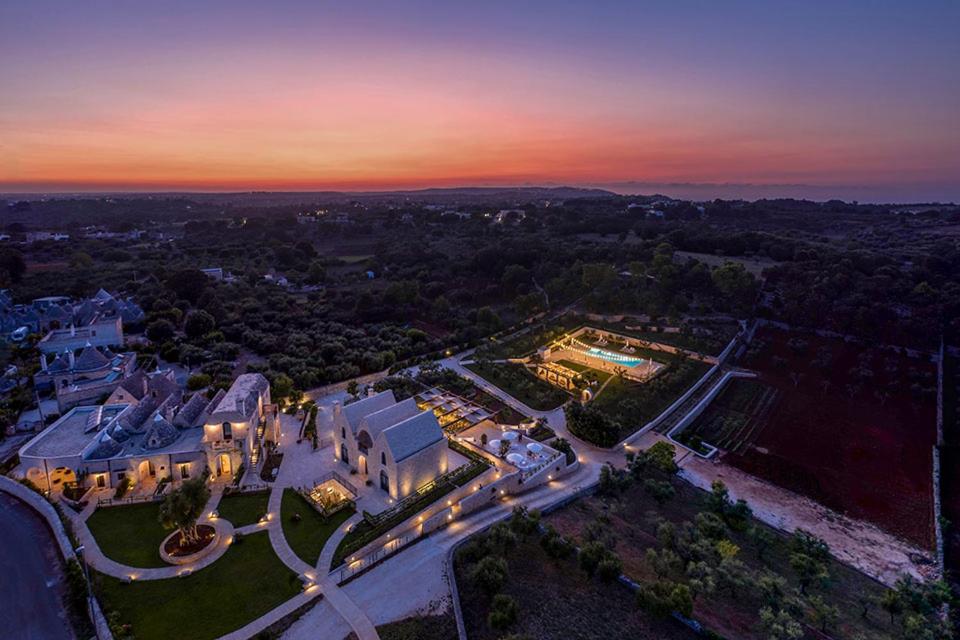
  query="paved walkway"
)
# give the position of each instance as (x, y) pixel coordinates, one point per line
(299, 467)
(330, 548)
(99, 561)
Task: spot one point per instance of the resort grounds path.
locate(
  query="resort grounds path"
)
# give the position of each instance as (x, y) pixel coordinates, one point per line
(298, 470)
(95, 557)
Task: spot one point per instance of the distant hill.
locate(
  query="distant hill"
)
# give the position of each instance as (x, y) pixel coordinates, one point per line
(518, 195)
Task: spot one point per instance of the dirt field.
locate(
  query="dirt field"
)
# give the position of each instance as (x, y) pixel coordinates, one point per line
(851, 427)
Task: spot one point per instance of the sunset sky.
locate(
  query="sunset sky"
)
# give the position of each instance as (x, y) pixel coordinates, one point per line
(371, 95)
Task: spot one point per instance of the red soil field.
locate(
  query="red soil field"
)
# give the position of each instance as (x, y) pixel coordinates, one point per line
(854, 433)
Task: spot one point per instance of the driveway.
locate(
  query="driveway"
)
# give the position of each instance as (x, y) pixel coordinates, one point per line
(33, 585)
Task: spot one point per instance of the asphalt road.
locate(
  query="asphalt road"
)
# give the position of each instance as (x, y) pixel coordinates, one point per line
(32, 583)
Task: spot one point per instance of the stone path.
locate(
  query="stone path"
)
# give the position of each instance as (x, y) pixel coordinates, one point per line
(95, 557)
(330, 548)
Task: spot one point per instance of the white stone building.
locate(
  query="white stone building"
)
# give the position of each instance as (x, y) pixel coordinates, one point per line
(395, 445)
(149, 438)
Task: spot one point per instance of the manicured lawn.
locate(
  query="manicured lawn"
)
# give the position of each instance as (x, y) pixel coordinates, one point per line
(633, 404)
(522, 385)
(130, 534)
(308, 536)
(247, 582)
(589, 372)
(242, 509)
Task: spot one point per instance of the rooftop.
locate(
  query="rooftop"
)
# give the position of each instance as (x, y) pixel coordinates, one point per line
(69, 435)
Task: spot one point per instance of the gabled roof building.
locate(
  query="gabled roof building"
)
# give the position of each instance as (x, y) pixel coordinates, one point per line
(393, 444)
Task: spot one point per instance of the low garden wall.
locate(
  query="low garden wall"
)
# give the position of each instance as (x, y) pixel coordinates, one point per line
(704, 402)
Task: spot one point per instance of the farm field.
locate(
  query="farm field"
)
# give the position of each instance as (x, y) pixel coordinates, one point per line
(634, 517)
(950, 467)
(734, 419)
(555, 599)
(852, 428)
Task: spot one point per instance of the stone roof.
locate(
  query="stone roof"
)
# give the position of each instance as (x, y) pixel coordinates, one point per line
(191, 411)
(134, 419)
(377, 421)
(413, 435)
(106, 447)
(60, 363)
(242, 397)
(90, 358)
(355, 412)
(160, 433)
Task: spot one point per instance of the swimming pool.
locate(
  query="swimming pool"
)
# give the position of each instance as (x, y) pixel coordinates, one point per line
(615, 358)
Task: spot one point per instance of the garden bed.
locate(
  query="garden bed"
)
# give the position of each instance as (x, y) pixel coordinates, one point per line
(174, 547)
(521, 384)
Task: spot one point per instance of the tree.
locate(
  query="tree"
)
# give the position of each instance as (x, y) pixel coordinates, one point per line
(661, 457)
(762, 539)
(353, 388)
(317, 273)
(661, 491)
(590, 556)
(12, 267)
(188, 284)
(199, 324)
(198, 381)
(809, 569)
(779, 625)
(181, 508)
(824, 615)
(612, 481)
(160, 331)
(490, 574)
(663, 597)
(891, 603)
(503, 611)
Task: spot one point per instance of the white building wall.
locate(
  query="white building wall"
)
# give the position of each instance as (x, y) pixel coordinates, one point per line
(419, 469)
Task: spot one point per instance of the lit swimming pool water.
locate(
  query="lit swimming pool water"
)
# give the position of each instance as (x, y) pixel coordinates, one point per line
(615, 358)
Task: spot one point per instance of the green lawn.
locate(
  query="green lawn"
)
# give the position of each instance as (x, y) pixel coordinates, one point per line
(633, 404)
(308, 536)
(247, 582)
(241, 509)
(588, 372)
(130, 534)
(522, 385)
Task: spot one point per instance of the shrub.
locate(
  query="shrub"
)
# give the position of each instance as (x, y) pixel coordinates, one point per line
(503, 611)
(555, 545)
(122, 488)
(663, 597)
(610, 568)
(490, 574)
(198, 381)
